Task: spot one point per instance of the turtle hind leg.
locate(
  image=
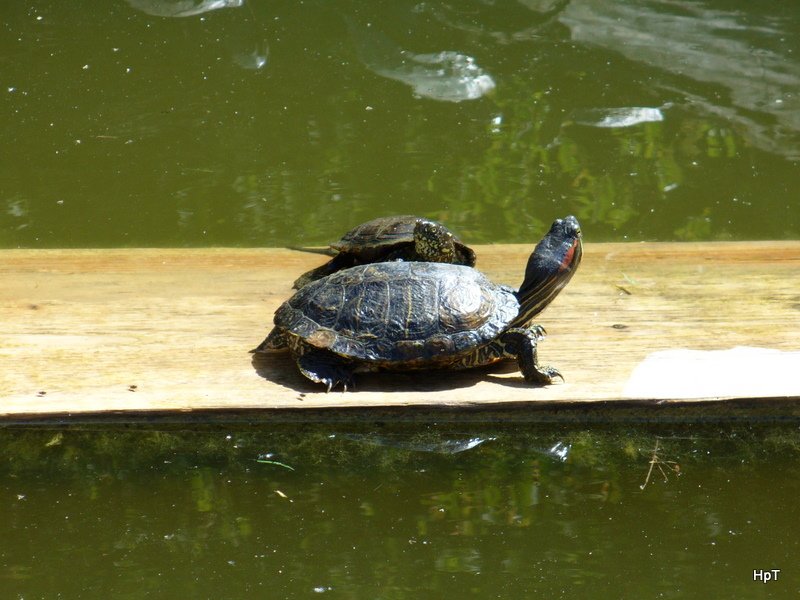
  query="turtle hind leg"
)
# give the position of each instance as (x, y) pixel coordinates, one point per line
(321, 366)
(521, 343)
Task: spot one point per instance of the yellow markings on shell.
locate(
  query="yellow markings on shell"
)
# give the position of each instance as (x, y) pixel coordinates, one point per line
(322, 338)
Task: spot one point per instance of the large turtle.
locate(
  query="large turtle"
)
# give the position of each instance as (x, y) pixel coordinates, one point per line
(414, 315)
(403, 237)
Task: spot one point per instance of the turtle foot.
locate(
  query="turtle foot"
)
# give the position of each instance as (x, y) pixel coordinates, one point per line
(522, 343)
(543, 375)
(326, 368)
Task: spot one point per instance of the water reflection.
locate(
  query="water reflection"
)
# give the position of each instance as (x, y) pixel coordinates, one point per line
(560, 450)
(613, 118)
(746, 53)
(418, 443)
(181, 8)
(447, 75)
(255, 60)
(504, 23)
(376, 520)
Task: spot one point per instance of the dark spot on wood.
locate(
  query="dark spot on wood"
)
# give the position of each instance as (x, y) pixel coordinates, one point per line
(41, 393)
(619, 326)
(33, 306)
(133, 387)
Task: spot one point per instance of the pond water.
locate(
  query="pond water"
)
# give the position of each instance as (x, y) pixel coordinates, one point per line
(379, 511)
(392, 512)
(249, 123)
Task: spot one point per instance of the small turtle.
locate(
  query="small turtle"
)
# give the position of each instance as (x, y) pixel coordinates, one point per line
(385, 239)
(414, 315)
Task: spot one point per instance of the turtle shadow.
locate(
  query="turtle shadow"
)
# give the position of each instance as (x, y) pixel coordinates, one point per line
(519, 382)
(279, 368)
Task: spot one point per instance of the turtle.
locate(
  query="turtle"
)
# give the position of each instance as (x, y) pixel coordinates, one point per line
(406, 315)
(402, 237)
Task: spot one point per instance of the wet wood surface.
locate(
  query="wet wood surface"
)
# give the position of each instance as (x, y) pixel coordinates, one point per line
(137, 331)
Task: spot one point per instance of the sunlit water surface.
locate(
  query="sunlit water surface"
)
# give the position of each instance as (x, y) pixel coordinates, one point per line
(225, 122)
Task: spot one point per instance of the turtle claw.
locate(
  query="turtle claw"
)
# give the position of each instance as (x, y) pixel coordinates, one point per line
(326, 368)
(543, 375)
(332, 381)
(348, 383)
(331, 384)
(522, 343)
(539, 332)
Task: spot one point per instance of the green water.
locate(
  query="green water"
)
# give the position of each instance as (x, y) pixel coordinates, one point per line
(281, 123)
(374, 511)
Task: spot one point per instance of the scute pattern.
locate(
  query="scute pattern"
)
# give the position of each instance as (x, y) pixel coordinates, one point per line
(399, 312)
(375, 240)
(383, 231)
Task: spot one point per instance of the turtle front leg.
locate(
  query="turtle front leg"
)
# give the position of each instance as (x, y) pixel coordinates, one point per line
(521, 343)
(321, 366)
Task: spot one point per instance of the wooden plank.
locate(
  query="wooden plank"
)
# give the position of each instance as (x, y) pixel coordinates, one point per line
(132, 330)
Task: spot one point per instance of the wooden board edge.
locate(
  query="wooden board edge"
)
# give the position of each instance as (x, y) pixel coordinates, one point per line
(650, 411)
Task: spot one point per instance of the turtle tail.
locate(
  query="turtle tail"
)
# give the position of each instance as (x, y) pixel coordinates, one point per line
(276, 340)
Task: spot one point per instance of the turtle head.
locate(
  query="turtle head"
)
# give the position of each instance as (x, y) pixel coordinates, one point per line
(550, 267)
(434, 242)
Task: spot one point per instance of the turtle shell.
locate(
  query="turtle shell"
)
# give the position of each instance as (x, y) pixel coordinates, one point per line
(409, 313)
(378, 237)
